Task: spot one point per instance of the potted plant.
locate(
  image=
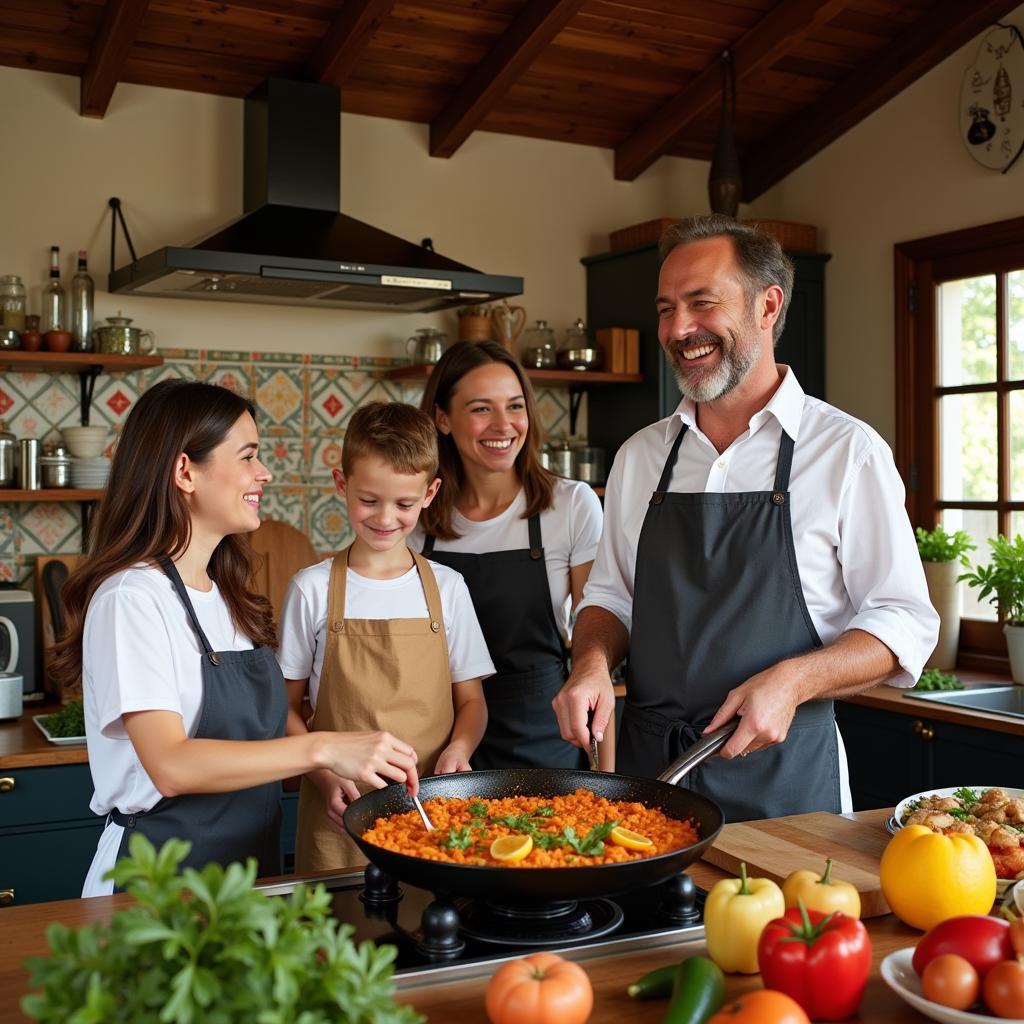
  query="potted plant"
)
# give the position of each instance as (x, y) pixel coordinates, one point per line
(206, 946)
(943, 555)
(1002, 582)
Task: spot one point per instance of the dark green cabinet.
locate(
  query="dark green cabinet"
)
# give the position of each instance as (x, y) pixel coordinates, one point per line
(48, 835)
(892, 756)
(621, 288)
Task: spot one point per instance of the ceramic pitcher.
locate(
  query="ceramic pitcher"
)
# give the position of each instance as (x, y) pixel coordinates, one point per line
(507, 324)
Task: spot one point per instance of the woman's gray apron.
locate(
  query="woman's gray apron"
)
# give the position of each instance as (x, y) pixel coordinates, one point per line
(244, 698)
(717, 599)
(512, 599)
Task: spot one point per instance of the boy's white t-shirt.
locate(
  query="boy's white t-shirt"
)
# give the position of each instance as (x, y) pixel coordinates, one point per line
(303, 629)
(570, 530)
(140, 653)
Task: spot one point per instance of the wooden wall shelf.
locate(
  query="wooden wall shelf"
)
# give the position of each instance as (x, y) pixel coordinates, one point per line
(73, 362)
(9, 495)
(571, 378)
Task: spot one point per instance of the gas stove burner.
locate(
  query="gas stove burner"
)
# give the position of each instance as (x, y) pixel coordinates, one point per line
(548, 924)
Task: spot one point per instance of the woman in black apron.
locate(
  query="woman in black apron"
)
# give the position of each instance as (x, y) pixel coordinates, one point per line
(523, 539)
(175, 652)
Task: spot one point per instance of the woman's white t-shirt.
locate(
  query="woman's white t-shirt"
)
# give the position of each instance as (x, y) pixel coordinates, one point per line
(140, 653)
(303, 628)
(570, 530)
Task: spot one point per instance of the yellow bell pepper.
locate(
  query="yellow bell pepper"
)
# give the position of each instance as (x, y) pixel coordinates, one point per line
(927, 877)
(735, 913)
(823, 893)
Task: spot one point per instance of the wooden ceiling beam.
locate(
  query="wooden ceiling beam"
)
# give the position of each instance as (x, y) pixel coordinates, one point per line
(949, 25)
(120, 26)
(350, 33)
(759, 47)
(515, 50)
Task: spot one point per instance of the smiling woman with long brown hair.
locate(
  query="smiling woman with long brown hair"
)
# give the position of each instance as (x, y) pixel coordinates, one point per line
(523, 539)
(185, 706)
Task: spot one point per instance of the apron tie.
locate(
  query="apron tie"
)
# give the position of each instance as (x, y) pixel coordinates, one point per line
(679, 736)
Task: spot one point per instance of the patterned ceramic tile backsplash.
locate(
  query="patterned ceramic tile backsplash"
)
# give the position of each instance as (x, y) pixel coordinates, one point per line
(304, 404)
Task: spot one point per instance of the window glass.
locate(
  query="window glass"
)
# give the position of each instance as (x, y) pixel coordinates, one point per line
(1016, 446)
(967, 331)
(979, 526)
(968, 464)
(1015, 326)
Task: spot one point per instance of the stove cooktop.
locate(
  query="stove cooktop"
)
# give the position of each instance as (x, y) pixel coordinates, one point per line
(442, 939)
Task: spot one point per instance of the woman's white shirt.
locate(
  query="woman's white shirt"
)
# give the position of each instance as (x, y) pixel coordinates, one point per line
(570, 530)
(140, 653)
(303, 629)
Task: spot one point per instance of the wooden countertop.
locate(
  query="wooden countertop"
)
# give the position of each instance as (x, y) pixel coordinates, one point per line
(22, 745)
(23, 934)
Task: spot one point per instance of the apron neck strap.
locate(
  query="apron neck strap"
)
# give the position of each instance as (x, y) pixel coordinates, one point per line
(428, 545)
(670, 462)
(536, 543)
(336, 588)
(784, 463)
(172, 574)
(430, 589)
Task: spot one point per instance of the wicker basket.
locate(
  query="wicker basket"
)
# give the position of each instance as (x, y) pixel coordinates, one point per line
(640, 234)
(791, 236)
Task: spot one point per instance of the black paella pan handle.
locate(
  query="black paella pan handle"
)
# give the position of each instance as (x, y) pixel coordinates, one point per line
(692, 756)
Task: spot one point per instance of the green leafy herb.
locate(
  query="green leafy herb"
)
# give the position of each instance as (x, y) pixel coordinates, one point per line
(592, 844)
(69, 721)
(1002, 580)
(225, 953)
(477, 810)
(938, 546)
(544, 812)
(933, 679)
(966, 796)
(458, 839)
(547, 840)
(958, 813)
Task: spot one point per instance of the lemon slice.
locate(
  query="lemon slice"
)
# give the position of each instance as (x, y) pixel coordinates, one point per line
(511, 848)
(629, 839)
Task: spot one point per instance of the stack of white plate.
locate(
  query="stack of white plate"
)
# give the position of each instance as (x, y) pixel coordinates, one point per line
(90, 473)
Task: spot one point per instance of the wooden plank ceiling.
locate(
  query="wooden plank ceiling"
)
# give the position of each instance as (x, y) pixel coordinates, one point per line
(640, 77)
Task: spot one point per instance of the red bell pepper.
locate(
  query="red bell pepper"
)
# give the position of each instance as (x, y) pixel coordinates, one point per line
(820, 960)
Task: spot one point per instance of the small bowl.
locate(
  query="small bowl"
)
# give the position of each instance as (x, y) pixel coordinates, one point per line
(579, 358)
(86, 442)
(57, 341)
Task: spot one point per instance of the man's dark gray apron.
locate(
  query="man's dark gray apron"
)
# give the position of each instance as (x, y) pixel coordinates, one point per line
(717, 599)
(244, 698)
(512, 598)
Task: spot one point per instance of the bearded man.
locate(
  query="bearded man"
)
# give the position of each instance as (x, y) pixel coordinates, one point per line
(756, 561)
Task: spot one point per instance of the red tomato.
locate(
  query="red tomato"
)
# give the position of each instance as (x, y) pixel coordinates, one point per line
(981, 941)
(1003, 989)
(761, 1007)
(950, 981)
(542, 989)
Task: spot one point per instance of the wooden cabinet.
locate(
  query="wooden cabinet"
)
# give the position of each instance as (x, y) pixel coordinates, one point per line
(48, 834)
(892, 756)
(621, 288)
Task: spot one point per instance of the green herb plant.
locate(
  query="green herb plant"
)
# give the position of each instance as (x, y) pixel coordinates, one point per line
(933, 679)
(204, 947)
(1002, 580)
(938, 546)
(69, 721)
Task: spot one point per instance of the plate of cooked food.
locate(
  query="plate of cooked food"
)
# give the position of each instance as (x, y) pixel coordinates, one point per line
(993, 813)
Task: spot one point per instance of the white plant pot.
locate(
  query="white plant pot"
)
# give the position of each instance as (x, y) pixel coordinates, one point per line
(1015, 646)
(944, 593)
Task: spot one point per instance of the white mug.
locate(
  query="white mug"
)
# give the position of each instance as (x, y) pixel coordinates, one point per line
(11, 685)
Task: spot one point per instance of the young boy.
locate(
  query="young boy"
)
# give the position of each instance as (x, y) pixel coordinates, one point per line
(378, 637)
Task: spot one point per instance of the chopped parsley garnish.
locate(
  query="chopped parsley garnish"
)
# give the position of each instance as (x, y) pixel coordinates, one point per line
(592, 844)
(457, 839)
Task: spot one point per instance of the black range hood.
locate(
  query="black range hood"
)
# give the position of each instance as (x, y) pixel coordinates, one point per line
(292, 245)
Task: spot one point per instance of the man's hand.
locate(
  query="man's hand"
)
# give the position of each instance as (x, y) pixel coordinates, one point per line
(582, 693)
(337, 792)
(765, 704)
(452, 759)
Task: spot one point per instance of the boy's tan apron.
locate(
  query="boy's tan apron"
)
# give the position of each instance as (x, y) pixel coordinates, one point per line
(387, 674)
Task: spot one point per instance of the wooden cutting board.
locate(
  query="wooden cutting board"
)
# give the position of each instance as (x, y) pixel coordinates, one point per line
(777, 846)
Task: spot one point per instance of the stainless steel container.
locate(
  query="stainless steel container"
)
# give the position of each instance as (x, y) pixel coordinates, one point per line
(559, 459)
(55, 470)
(8, 446)
(28, 464)
(588, 465)
(9, 338)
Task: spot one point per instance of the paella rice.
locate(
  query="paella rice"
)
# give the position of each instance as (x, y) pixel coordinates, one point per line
(570, 830)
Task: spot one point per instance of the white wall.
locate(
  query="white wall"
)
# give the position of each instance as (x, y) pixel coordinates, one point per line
(901, 174)
(502, 204)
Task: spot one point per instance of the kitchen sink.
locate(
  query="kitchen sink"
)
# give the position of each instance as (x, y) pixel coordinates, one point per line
(1001, 700)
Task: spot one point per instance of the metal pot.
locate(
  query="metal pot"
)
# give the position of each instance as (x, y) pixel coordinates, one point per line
(8, 446)
(426, 346)
(118, 338)
(579, 358)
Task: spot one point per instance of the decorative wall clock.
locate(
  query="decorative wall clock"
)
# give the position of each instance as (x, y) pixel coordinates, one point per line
(992, 100)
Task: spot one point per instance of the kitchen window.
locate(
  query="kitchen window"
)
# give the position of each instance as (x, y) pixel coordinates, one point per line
(960, 397)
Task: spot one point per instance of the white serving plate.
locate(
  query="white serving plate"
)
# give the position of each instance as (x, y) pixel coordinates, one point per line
(894, 823)
(68, 741)
(899, 974)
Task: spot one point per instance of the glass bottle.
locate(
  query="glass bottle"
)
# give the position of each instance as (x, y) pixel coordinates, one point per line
(12, 302)
(82, 291)
(53, 296)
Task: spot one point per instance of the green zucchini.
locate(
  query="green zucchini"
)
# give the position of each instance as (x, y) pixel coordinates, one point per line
(698, 992)
(655, 985)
